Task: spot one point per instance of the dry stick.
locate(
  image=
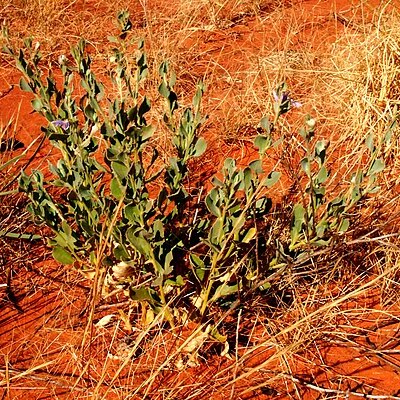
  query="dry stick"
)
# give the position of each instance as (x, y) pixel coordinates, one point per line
(4, 93)
(106, 362)
(167, 361)
(236, 354)
(381, 354)
(114, 305)
(38, 378)
(21, 374)
(7, 376)
(283, 268)
(342, 393)
(374, 239)
(94, 294)
(129, 356)
(28, 161)
(307, 318)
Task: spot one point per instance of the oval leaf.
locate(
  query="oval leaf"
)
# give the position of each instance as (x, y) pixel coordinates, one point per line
(117, 190)
(200, 147)
(37, 104)
(62, 256)
(120, 169)
(23, 84)
(263, 143)
(271, 179)
(377, 166)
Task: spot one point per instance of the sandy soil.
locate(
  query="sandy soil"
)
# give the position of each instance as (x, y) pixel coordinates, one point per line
(42, 325)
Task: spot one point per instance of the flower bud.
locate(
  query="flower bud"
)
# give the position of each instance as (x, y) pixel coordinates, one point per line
(311, 123)
(62, 59)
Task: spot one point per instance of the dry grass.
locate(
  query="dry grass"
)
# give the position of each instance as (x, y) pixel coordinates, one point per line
(351, 86)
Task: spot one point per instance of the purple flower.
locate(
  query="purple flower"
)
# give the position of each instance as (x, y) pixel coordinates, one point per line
(275, 96)
(296, 104)
(284, 97)
(64, 125)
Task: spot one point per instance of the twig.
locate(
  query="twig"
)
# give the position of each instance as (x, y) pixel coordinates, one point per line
(342, 393)
(114, 305)
(4, 93)
(27, 163)
(21, 373)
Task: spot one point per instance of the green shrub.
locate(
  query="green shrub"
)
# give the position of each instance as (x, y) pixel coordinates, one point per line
(198, 244)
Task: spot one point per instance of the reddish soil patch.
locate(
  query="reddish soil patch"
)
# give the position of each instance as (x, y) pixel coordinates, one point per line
(41, 329)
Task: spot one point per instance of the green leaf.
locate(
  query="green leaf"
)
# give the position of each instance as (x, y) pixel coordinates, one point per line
(297, 224)
(139, 243)
(263, 143)
(250, 234)
(23, 84)
(120, 253)
(322, 175)
(66, 228)
(166, 268)
(200, 273)
(112, 39)
(256, 166)
(198, 96)
(305, 166)
(163, 90)
(132, 213)
(271, 179)
(216, 234)
(230, 165)
(158, 230)
(90, 112)
(321, 228)
(265, 124)
(117, 190)
(37, 104)
(196, 261)
(263, 205)
(377, 166)
(217, 182)
(344, 225)
(248, 183)
(218, 336)
(62, 255)
(264, 287)
(211, 203)
(120, 169)
(141, 294)
(369, 141)
(223, 291)
(177, 282)
(298, 213)
(200, 147)
(147, 132)
(320, 150)
(322, 242)
(356, 194)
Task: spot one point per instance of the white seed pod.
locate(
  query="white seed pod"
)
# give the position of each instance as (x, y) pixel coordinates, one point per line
(102, 322)
(311, 122)
(122, 270)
